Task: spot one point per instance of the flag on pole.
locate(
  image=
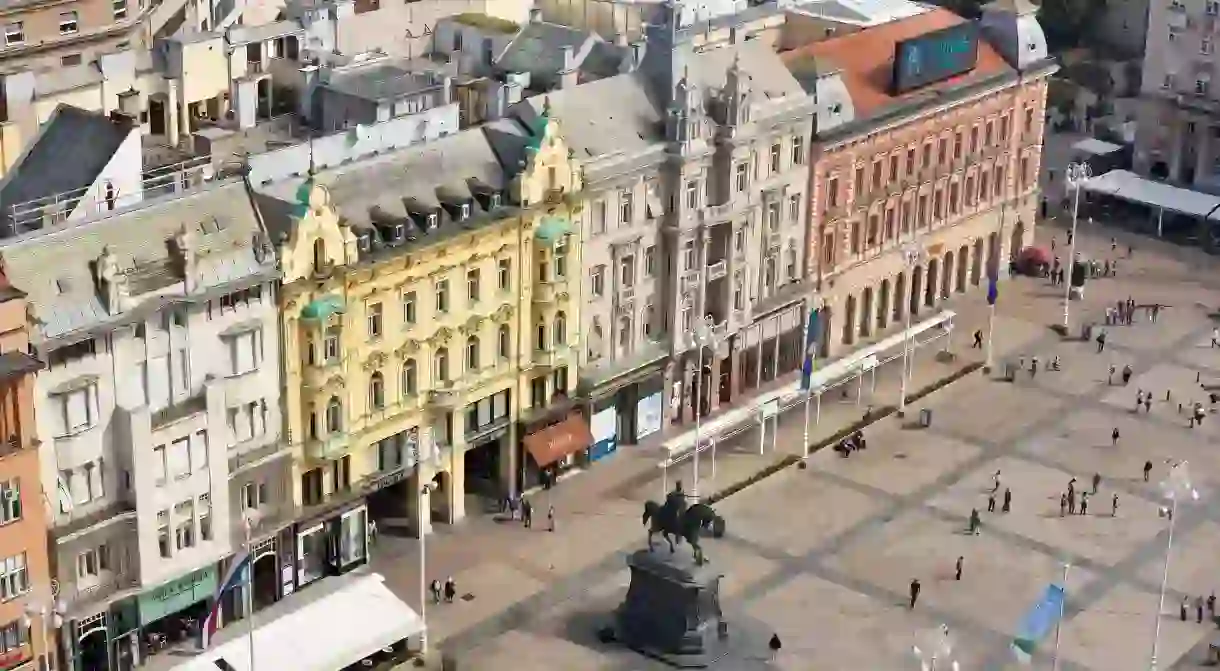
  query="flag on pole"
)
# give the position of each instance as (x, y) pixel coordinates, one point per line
(993, 290)
(811, 349)
(1039, 621)
(232, 577)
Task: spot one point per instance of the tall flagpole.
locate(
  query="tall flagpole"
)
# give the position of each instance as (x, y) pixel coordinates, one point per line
(993, 294)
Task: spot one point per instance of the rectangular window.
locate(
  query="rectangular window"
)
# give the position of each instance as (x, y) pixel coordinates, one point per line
(974, 139)
(777, 153)
(244, 352)
(67, 23)
(178, 456)
(14, 577)
(504, 278)
(78, 409)
(832, 192)
(625, 214)
(893, 167)
(1003, 128)
(877, 174)
(798, 150)
(119, 8)
(442, 296)
(957, 145)
(13, 636)
(942, 151)
(10, 501)
(199, 450)
(910, 161)
(14, 33)
(408, 308)
(597, 281)
(742, 178)
(828, 249)
(692, 194)
(374, 320)
(858, 183)
(160, 465)
(650, 260)
(627, 271)
(330, 345)
(472, 286)
(989, 134)
(927, 155)
(163, 533)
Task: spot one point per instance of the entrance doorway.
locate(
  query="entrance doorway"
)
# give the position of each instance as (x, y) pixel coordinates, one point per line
(482, 463)
(156, 116)
(92, 650)
(266, 577)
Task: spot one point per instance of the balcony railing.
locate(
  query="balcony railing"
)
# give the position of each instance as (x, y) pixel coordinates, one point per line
(716, 270)
(324, 449)
(74, 595)
(445, 394)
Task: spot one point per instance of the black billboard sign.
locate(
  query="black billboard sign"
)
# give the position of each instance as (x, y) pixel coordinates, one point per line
(934, 56)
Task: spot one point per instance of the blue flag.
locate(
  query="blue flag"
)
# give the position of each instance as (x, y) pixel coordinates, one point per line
(1039, 621)
(993, 290)
(811, 348)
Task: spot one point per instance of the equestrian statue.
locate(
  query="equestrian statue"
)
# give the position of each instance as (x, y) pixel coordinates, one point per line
(675, 521)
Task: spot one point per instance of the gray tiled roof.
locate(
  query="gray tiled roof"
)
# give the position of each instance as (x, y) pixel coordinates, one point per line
(538, 49)
(55, 267)
(71, 150)
(380, 82)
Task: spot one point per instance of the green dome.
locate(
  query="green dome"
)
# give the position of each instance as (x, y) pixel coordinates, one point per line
(552, 228)
(322, 308)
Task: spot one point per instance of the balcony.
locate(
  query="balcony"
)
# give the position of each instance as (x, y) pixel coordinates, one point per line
(717, 270)
(1198, 102)
(555, 357)
(328, 448)
(445, 395)
(76, 596)
(547, 292)
(626, 293)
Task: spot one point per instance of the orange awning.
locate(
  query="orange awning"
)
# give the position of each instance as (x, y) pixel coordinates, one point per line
(559, 440)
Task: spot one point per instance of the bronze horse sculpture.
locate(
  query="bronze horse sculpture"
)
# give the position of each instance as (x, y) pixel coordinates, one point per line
(676, 521)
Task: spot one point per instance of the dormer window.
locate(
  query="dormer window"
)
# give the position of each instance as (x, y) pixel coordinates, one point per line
(400, 233)
(465, 211)
(494, 199)
(365, 241)
(432, 222)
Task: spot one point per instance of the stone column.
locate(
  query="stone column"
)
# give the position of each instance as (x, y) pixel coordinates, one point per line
(509, 468)
(1203, 163)
(1175, 152)
(714, 382)
(419, 516)
(456, 465)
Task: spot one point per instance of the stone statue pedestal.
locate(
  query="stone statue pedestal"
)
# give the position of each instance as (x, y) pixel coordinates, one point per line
(672, 609)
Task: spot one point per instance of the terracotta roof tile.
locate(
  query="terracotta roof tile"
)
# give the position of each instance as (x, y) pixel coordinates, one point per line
(865, 59)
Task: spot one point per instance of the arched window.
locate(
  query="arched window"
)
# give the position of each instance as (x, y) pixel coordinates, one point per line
(561, 328)
(540, 336)
(472, 353)
(409, 378)
(624, 333)
(503, 341)
(376, 391)
(334, 415)
(319, 254)
(440, 365)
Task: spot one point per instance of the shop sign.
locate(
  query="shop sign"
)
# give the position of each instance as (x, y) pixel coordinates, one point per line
(390, 479)
(604, 428)
(175, 596)
(648, 415)
(13, 658)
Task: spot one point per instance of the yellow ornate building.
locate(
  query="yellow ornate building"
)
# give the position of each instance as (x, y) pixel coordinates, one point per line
(430, 308)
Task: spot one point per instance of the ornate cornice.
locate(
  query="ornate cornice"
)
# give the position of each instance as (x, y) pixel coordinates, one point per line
(408, 349)
(375, 361)
(472, 324)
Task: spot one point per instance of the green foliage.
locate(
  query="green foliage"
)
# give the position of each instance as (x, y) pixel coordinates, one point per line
(1066, 22)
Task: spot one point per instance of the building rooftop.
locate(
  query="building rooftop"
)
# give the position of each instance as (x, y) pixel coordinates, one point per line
(485, 22)
(383, 81)
(56, 268)
(71, 150)
(865, 61)
(858, 12)
(539, 50)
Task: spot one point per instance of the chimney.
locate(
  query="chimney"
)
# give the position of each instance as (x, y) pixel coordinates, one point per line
(129, 103)
(733, 35)
(569, 58)
(535, 16)
(120, 117)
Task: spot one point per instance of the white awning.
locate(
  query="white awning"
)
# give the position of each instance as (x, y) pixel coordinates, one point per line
(340, 627)
(1092, 145)
(1131, 187)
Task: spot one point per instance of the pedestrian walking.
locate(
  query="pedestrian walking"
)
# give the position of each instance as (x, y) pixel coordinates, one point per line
(527, 513)
(435, 588)
(915, 587)
(957, 573)
(1063, 504)
(1007, 506)
(1114, 506)
(775, 645)
(1113, 369)
(1139, 399)
(995, 482)
(372, 528)
(1113, 245)
(1211, 605)
(1216, 337)
(1101, 342)
(1114, 437)
(1127, 372)
(1183, 608)
(1199, 610)
(978, 340)
(974, 522)
(1096, 482)
(450, 589)
(1148, 403)
(991, 503)
(1071, 502)
(1084, 503)
(550, 518)
(1147, 470)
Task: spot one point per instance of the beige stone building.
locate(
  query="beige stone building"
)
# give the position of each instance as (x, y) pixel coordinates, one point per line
(43, 34)
(947, 167)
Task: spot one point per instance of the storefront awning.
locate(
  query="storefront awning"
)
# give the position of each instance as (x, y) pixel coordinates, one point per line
(559, 440)
(328, 630)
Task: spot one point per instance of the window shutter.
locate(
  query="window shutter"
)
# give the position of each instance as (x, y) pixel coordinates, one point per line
(77, 410)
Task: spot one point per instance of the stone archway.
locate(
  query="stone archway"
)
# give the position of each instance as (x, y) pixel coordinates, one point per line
(883, 305)
(438, 498)
(963, 256)
(916, 290)
(929, 292)
(900, 287)
(866, 312)
(946, 282)
(1017, 242)
(849, 321)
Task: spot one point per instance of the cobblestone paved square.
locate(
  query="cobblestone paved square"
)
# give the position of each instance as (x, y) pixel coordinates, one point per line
(824, 556)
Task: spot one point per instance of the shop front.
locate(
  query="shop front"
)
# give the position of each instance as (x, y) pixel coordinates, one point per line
(332, 544)
(173, 612)
(555, 448)
(486, 459)
(266, 579)
(625, 400)
(388, 489)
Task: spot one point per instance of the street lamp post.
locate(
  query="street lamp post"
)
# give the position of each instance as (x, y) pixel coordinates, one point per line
(912, 254)
(50, 614)
(424, 490)
(1176, 487)
(935, 647)
(703, 335)
(250, 519)
(1077, 173)
(810, 354)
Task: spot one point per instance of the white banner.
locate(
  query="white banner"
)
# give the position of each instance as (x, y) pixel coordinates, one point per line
(648, 412)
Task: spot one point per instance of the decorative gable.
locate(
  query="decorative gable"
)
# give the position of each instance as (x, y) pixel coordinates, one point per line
(550, 172)
(318, 242)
